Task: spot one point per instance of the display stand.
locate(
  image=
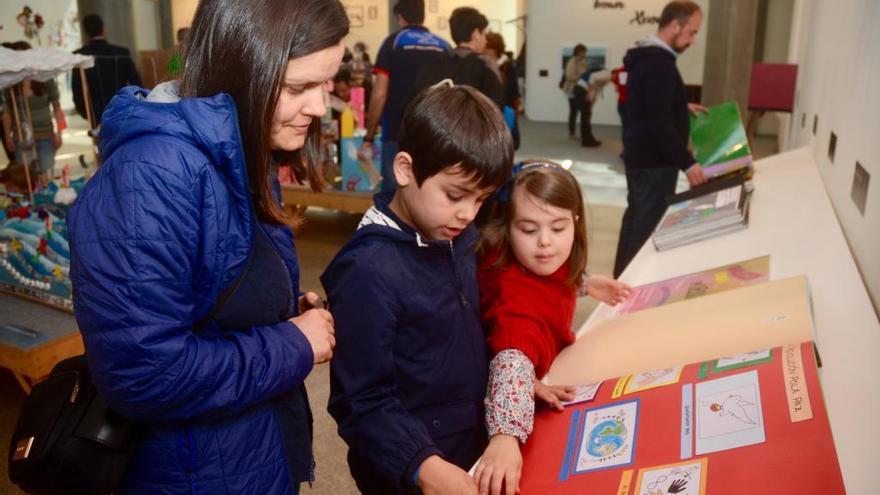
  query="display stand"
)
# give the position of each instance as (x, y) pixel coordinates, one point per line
(299, 198)
(794, 222)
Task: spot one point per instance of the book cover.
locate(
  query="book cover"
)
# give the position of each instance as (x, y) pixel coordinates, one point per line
(692, 285)
(719, 140)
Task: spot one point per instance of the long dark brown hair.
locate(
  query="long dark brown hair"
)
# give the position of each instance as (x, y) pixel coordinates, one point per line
(241, 47)
(548, 182)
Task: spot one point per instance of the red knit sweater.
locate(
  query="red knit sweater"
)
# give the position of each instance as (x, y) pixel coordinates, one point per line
(527, 312)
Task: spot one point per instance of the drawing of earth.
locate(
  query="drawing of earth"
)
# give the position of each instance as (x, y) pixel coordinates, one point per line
(606, 438)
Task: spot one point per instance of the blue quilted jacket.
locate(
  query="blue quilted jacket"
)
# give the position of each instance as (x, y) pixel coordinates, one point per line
(160, 230)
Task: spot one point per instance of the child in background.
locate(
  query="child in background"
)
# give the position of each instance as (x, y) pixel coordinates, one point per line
(534, 253)
(408, 376)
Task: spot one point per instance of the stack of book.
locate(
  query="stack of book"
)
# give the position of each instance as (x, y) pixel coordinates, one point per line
(713, 214)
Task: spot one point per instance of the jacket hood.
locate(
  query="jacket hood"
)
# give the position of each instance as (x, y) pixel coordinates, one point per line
(210, 124)
(645, 51)
(380, 222)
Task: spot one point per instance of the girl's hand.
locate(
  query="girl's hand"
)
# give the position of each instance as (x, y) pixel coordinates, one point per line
(57, 141)
(311, 300)
(606, 289)
(553, 395)
(500, 466)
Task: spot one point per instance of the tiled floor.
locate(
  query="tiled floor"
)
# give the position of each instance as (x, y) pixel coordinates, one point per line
(599, 170)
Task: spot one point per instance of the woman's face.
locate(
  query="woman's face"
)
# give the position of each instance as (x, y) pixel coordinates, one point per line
(302, 96)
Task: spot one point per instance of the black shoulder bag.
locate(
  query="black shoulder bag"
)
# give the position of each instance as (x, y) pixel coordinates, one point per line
(67, 440)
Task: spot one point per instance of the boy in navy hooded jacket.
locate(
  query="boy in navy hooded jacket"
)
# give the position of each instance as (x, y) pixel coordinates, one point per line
(409, 374)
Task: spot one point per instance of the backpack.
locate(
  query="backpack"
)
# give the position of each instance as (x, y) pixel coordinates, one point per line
(467, 69)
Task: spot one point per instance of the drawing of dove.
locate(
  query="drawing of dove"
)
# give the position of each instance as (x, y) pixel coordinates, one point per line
(734, 406)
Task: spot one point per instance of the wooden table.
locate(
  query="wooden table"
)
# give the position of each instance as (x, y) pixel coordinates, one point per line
(31, 364)
(299, 198)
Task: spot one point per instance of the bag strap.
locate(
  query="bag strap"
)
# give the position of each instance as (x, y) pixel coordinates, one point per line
(224, 296)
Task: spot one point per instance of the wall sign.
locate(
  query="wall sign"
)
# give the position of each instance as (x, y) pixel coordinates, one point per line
(641, 18)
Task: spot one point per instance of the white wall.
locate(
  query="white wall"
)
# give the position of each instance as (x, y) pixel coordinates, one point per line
(837, 47)
(374, 31)
(552, 25)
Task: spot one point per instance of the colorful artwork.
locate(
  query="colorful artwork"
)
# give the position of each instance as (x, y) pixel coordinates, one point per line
(683, 478)
(652, 379)
(696, 284)
(608, 437)
(583, 393)
(359, 172)
(729, 413)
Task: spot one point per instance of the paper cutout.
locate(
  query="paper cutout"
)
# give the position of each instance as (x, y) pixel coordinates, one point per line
(619, 388)
(652, 379)
(683, 478)
(743, 360)
(625, 482)
(687, 420)
(799, 407)
(608, 437)
(583, 393)
(729, 413)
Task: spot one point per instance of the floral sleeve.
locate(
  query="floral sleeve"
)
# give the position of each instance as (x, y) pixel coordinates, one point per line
(510, 397)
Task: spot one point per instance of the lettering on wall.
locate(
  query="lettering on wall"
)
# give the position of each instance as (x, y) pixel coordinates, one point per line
(641, 17)
(605, 4)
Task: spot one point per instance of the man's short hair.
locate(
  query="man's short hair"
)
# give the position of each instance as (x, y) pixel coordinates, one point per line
(678, 10)
(412, 11)
(93, 25)
(446, 126)
(463, 21)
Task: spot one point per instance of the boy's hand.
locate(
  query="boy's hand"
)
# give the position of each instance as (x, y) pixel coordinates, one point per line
(500, 466)
(317, 326)
(553, 395)
(439, 477)
(608, 290)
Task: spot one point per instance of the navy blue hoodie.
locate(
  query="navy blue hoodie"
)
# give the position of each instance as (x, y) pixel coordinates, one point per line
(659, 128)
(409, 371)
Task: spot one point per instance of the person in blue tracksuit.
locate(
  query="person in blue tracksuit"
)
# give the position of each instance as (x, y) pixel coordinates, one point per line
(409, 373)
(186, 282)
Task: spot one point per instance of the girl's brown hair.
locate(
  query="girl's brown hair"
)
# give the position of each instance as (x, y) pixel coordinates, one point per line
(548, 182)
(241, 47)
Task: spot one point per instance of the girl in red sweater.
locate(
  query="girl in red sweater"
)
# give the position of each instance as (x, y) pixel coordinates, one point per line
(534, 266)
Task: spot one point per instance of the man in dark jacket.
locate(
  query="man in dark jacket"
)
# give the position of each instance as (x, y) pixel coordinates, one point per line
(656, 143)
(113, 70)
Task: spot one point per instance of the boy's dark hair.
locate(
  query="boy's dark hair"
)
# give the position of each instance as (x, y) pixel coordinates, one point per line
(463, 21)
(579, 48)
(412, 11)
(548, 182)
(446, 126)
(678, 10)
(93, 25)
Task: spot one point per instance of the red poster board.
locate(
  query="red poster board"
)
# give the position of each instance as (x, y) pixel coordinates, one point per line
(772, 87)
(795, 457)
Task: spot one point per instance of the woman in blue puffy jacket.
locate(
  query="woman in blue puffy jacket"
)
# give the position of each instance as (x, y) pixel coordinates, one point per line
(185, 275)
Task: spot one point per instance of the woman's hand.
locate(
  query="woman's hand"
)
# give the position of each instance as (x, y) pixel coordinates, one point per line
(57, 141)
(607, 290)
(317, 326)
(553, 395)
(439, 477)
(310, 300)
(500, 466)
